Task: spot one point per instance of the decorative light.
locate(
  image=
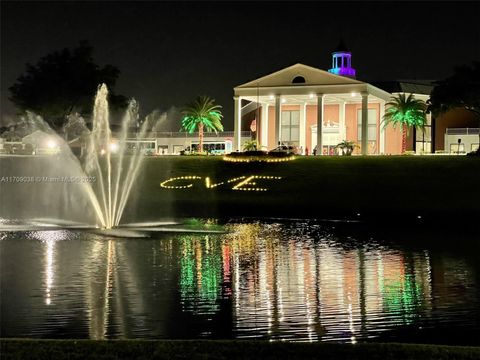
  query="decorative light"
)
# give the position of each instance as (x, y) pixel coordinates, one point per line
(352, 94)
(164, 184)
(284, 100)
(271, 97)
(248, 181)
(113, 147)
(51, 144)
(242, 182)
(311, 96)
(258, 159)
(102, 152)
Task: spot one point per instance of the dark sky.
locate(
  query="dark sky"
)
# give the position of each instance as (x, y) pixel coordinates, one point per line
(170, 52)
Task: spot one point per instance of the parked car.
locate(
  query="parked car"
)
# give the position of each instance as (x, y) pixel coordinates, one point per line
(287, 149)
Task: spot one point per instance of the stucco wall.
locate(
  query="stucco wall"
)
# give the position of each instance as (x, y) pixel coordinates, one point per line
(457, 118)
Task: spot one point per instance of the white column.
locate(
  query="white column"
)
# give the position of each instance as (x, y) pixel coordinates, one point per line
(382, 128)
(303, 124)
(264, 127)
(364, 123)
(237, 123)
(341, 121)
(278, 114)
(319, 124)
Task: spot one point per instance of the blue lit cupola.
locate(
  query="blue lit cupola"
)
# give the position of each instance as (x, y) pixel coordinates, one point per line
(342, 61)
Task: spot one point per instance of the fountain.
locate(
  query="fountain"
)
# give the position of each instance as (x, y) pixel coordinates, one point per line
(113, 162)
(115, 176)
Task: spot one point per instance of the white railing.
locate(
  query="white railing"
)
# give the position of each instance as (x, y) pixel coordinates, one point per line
(462, 131)
(180, 134)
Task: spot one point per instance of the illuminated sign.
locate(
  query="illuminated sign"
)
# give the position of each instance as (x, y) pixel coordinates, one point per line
(241, 183)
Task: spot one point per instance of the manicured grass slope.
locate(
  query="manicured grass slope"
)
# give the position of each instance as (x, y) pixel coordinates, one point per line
(317, 187)
(223, 349)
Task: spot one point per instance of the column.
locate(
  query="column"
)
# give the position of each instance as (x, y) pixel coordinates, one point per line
(319, 124)
(433, 133)
(303, 124)
(237, 123)
(264, 128)
(341, 121)
(278, 114)
(382, 127)
(364, 123)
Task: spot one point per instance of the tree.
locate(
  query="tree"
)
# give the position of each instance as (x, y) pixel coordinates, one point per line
(250, 145)
(64, 82)
(202, 114)
(461, 90)
(346, 147)
(406, 112)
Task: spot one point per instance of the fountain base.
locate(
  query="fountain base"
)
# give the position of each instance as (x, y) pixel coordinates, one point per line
(121, 233)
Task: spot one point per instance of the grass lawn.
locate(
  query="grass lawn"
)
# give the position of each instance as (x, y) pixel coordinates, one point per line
(223, 349)
(314, 187)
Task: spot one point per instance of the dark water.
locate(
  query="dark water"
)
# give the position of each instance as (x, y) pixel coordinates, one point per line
(293, 280)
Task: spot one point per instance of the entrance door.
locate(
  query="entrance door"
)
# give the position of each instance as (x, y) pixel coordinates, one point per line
(331, 137)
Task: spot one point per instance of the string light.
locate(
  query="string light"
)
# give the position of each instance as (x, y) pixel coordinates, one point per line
(257, 159)
(248, 181)
(243, 182)
(164, 184)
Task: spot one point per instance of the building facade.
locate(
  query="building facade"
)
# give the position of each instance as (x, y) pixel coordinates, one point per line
(316, 110)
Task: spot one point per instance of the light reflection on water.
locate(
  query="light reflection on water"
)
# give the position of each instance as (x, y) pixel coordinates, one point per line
(271, 281)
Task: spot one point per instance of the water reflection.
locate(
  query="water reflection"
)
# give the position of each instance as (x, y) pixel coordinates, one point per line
(271, 281)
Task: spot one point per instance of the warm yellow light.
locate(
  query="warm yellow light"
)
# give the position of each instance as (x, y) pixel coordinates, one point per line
(244, 183)
(164, 183)
(51, 144)
(114, 147)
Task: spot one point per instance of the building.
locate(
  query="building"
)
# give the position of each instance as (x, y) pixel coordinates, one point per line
(316, 109)
(175, 143)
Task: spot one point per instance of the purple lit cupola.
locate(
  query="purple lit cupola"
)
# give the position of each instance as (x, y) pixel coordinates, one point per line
(342, 61)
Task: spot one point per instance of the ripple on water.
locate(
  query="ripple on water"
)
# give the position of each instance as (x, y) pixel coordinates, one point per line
(296, 281)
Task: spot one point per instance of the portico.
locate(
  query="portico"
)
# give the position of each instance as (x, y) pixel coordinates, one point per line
(308, 107)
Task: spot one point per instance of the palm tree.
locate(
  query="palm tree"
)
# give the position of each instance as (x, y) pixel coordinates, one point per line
(250, 145)
(346, 147)
(202, 113)
(406, 112)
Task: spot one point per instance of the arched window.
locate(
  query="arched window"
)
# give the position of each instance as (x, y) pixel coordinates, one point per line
(298, 80)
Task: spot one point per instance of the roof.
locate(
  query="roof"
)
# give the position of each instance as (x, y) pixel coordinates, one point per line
(313, 76)
(424, 87)
(36, 135)
(341, 47)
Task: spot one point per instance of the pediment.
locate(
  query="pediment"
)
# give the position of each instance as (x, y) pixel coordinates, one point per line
(292, 76)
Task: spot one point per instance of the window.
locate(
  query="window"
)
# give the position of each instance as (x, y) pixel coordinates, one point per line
(290, 127)
(177, 149)
(474, 147)
(298, 80)
(372, 124)
(457, 148)
(424, 137)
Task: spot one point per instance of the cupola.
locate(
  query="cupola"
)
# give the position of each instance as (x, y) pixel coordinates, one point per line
(342, 61)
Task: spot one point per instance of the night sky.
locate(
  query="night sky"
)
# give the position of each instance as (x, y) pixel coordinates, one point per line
(168, 53)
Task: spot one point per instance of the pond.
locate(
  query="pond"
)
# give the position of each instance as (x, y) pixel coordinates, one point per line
(274, 280)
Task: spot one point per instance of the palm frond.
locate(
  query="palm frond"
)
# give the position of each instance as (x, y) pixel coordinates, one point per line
(406, 111)
(202, 111)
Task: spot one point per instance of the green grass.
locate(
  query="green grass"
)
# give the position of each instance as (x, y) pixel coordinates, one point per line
(223, 349)
(313, 187)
